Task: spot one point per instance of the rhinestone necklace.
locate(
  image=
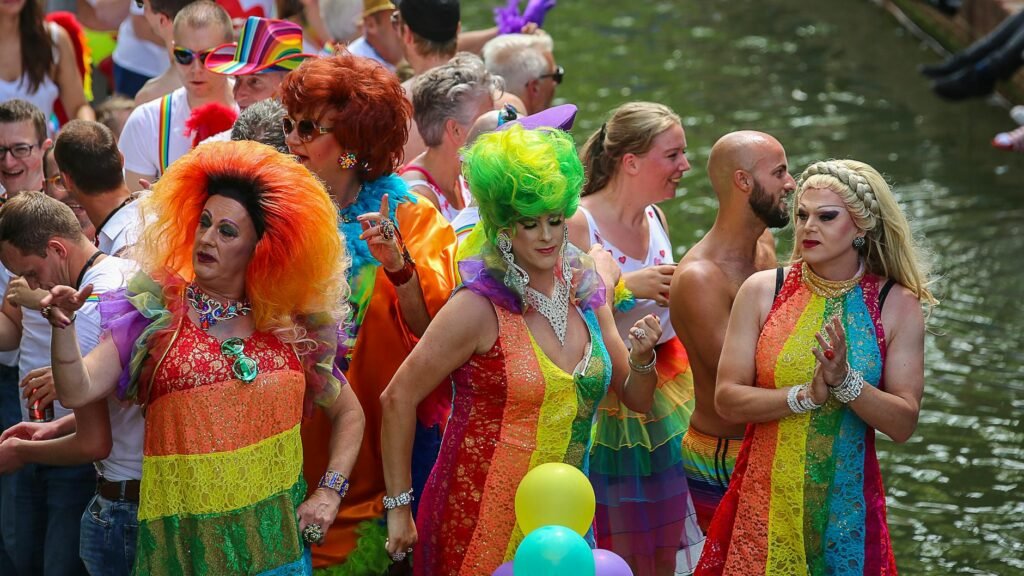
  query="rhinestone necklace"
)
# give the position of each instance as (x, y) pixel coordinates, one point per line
(829, 288)
(555, 309)
(210, 310)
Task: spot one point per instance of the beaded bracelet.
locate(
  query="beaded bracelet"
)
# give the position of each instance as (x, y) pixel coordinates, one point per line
(623, 299)
(851, 387)
(335, 481)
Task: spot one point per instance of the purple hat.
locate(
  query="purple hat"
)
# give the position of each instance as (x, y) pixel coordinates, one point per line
(560, 117)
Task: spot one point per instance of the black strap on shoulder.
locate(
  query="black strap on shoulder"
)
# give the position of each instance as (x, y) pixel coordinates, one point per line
(884, 292)
(779, 278)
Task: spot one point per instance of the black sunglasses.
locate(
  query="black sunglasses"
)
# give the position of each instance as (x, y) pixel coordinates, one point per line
(558, 75)
(139, 3)
(185, 57)
(307, 129)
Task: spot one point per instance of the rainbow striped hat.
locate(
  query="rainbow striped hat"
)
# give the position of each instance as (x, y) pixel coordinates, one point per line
(263, 44)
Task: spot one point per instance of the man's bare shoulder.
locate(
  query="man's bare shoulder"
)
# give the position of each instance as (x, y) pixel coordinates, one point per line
(700, 271)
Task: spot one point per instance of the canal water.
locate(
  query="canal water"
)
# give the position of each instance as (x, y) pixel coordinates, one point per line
(834, 79)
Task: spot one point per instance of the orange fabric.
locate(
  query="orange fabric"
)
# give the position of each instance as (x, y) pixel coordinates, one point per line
(381, 346)
(250, 413)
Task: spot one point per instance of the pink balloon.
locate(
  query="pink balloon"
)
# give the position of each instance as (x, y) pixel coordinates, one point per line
(608, 563)
(503, 570)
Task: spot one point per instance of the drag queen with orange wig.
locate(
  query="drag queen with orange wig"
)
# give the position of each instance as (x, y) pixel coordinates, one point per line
(227, 337)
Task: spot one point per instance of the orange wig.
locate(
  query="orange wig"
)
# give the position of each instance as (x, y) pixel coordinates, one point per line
(298, 266)
(364, 103)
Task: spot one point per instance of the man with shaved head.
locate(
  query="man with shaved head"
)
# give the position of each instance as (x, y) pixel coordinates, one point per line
(750, 176)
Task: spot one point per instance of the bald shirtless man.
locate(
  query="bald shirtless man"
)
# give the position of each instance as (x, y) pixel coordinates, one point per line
(750, 176)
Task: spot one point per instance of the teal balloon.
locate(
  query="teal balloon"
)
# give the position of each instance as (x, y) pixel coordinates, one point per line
(553, 551)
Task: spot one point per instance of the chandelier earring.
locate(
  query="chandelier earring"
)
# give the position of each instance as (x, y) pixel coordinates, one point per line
(347, 161)
(515, 277)
(859, 242)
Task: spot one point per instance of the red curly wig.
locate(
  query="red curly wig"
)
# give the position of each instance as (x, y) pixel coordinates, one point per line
(364, 102)
(298, 266)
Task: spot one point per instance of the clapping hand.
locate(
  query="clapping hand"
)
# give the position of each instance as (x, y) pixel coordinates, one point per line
(831, 355)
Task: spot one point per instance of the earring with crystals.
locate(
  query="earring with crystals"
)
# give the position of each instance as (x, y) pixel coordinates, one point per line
(515, 277)
(859, 242)
(566, 268)
(347, 161)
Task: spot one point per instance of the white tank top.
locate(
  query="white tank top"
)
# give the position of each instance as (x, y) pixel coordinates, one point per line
(659, 251)
(46, 93)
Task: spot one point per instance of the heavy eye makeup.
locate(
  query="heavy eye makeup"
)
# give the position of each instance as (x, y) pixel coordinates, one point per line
(531, 223)
(823, 215)
(227, 228)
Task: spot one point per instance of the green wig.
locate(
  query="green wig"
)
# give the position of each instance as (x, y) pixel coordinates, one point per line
(517, 173)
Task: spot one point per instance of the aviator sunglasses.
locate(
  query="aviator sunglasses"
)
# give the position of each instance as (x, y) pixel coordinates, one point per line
(185, 57)
(307, 129)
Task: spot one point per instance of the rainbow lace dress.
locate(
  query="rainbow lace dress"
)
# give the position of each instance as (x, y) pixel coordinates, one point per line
(806, 496)
(514, 409)
(222, 459)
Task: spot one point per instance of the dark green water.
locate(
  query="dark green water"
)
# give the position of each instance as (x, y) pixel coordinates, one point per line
(836, 78)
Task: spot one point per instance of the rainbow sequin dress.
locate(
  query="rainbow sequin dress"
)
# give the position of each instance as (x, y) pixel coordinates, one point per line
(806, 496)
(514, 409)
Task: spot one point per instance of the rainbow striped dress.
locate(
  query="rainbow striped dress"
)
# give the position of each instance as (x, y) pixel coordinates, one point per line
(514, 409)
(806, 496)
(222, 459)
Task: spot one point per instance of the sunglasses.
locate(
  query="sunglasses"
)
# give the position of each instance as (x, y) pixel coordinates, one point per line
(185, 57)
(307, 129)
(244, 368)
(558, 75)
(18, 150)
(139, 3)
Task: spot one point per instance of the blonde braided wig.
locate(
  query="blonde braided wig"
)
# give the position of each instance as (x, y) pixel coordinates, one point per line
(891, 250)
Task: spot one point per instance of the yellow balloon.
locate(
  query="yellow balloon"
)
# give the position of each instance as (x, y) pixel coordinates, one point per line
(555, 494)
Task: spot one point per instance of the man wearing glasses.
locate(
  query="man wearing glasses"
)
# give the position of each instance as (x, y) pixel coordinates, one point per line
(527, 63)
(154, 135)
(22, 144)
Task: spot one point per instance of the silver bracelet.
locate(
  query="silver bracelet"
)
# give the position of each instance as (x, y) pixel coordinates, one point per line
(851, 387)
(807, 403)
(644, 368)
(403, 499)
(799, 405)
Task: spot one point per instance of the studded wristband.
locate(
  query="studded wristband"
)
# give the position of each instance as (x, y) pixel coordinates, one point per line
(335, 481)
(403, 499)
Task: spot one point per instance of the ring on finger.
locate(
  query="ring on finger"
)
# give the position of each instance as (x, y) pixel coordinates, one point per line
(638, 333)
(45, 311)
(830, 354)
(387, 229)
(312, 534)
(398, 556)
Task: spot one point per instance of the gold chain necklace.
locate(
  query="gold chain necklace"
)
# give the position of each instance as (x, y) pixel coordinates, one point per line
(829, 288)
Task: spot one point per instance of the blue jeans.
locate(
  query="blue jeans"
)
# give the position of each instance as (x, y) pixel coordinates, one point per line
(10, 414)
(42, 516)
(109, 530)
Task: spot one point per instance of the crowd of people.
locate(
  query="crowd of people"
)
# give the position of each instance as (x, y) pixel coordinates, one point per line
(338, 278)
